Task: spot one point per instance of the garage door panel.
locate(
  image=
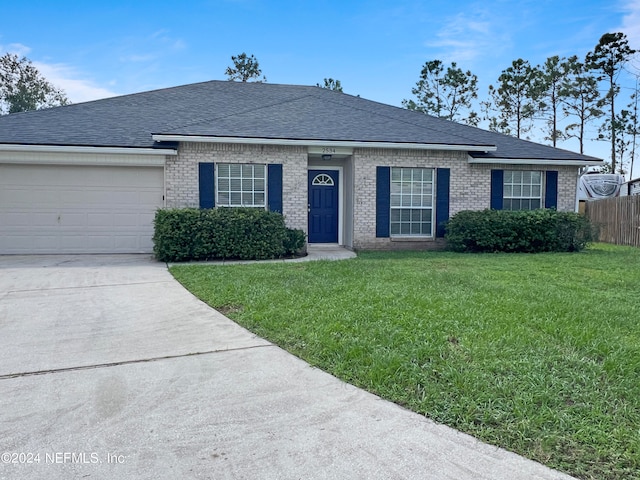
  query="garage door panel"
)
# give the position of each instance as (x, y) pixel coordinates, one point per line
(147, 218)
(126, 242)
(78, 209)
(26, 197)
(150, 198)
(100, 220)
(42, 242)
(14, 219)
(73, 242)
(129, 220)
(101, 241)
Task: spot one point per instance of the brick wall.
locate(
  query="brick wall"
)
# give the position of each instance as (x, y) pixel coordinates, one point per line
(470, 188)
(182, 173)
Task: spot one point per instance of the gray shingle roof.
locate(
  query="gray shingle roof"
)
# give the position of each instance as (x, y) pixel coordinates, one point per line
(252, 110)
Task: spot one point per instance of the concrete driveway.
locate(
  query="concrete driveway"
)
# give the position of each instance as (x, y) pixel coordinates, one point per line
(110, 369)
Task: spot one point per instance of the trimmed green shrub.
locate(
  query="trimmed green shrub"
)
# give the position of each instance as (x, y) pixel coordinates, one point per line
(531, 231)
(222, 233)
(294, 242)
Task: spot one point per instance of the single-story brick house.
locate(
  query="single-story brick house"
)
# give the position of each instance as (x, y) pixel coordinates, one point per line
(87, 178)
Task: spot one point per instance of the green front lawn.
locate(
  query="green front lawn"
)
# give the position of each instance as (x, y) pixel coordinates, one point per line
(539, 354)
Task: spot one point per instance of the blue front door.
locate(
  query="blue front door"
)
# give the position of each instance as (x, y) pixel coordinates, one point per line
(323, 206)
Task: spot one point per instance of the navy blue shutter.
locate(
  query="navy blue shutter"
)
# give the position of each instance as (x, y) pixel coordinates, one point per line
(274, 187)
(383, 201)
(442, 199)
(206, 185)
(551, 189)
(497, 189)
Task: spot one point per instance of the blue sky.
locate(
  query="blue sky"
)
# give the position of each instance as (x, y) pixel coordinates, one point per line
(375, 48)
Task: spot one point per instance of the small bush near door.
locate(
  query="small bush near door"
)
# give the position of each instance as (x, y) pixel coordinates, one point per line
(295, 242)
(529, 231)
(223, 233)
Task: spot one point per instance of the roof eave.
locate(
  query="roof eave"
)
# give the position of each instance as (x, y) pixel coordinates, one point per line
(10, 147)
(317, 143)
(535, 161)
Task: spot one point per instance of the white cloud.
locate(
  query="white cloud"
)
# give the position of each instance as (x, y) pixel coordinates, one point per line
(16, 49)
(62, 76)
(67, 78)
(164, 38)
(157, 46)
(631, 22)
(467, 37)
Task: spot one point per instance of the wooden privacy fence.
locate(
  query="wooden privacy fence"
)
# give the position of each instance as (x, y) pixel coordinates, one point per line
(617, 219)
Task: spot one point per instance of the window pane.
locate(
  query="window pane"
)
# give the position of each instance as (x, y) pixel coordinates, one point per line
(428, 188)
(241, 184)
(235, 170)
(223, 170)
(517, 177)
(523, 191)
(508, 176)
(411, 201)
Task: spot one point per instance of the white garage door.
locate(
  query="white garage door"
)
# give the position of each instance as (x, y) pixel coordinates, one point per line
(78, 209)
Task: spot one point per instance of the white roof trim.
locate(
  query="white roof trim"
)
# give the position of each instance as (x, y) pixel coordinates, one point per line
(321, 143)
(90, 150)
(534, 161)
(57, 155)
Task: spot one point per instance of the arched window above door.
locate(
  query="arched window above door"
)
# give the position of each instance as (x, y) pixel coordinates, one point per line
(323, 179)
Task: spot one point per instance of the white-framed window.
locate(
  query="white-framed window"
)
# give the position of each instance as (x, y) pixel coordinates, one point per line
(412, 193)
(241, 185)
(522, 190)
